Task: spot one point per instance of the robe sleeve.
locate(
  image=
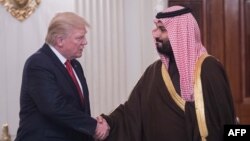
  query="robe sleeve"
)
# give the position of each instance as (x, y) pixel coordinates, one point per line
(219, 108)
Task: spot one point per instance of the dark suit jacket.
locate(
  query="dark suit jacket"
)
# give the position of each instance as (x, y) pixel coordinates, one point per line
(51, 109)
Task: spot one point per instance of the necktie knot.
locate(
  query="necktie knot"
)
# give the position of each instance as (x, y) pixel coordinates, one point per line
(69, 69)
(67, 63)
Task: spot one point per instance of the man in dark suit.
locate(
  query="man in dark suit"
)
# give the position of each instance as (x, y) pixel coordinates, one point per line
(54, 101)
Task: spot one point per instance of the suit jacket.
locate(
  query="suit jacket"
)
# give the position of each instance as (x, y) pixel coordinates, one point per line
(51, 109)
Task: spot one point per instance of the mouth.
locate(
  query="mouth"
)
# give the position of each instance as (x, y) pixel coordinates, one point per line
(158, 43)
(81, 48)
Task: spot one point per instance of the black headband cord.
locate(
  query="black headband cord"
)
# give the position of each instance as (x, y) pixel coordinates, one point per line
(174, 13)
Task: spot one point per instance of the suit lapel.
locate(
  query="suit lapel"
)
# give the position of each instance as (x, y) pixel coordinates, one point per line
(46, 50)
(79, 72)
(80, 75)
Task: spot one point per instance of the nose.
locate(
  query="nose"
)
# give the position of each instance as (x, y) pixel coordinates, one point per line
(84, 42)
(155, 33)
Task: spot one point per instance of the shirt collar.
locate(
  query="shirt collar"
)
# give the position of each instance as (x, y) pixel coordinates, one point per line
(58, 54)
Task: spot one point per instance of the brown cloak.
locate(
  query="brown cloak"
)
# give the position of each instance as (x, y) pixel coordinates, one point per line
(150, 113)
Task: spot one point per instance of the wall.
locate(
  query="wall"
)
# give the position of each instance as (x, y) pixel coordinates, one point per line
(120, 48)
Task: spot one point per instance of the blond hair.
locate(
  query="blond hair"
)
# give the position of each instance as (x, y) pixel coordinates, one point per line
(61, 25)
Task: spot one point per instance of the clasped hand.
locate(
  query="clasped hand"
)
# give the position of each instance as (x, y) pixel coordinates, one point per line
(102, 129)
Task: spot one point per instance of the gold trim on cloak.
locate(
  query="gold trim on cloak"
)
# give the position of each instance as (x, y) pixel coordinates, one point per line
(168, 82)
(198, 95)
(199, 101)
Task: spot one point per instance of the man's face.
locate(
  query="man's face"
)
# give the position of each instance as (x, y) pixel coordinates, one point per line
(160, 33)
(162, 41)
(72, 45)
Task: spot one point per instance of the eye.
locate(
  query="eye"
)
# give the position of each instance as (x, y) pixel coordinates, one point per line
(80, 38)
(163, 29)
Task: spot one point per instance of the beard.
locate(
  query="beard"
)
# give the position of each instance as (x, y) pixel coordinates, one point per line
(164, 47)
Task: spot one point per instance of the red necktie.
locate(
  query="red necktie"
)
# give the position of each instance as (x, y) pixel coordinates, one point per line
(72, 75)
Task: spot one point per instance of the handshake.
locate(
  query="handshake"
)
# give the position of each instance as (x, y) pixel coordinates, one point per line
(102, 129)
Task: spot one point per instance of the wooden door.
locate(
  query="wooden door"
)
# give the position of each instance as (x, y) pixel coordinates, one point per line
(225, 27)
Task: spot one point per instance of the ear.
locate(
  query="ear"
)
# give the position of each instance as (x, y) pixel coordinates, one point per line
(59, 41)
